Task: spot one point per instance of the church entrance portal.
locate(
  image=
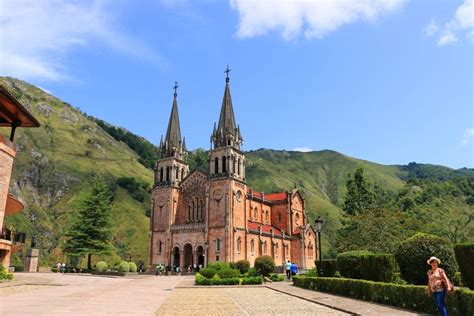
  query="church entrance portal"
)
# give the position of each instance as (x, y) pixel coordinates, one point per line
(188, 256)
(200, 255)
(175, 257)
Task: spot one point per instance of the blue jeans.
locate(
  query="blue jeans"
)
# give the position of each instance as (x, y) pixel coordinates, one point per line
(438, 298)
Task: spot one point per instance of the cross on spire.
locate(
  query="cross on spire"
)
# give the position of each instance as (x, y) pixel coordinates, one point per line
(227, 73)
(175, 88)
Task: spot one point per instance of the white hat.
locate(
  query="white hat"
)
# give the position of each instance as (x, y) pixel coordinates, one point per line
(433, 259)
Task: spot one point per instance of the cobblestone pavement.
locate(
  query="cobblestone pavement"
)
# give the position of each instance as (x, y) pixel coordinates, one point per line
(238, 301)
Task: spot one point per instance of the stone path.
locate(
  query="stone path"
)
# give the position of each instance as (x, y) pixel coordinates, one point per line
(353, 306)
(238, 301)
(72, 294)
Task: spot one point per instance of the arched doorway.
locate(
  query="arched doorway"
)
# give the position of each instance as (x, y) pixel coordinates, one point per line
(188, 256)
(176, 257)
(200, 255)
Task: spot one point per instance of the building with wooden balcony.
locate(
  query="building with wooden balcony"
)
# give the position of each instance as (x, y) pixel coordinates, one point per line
(12, 116)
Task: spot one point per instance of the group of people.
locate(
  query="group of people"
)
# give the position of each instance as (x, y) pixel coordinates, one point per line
(291, 269)
(161, 269)
(61, 267)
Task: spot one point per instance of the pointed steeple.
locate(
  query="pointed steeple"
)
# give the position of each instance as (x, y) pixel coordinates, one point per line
(173, 145)
(227, 133)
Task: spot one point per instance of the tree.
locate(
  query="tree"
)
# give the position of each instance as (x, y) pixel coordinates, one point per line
(90, 231)
(359, 197)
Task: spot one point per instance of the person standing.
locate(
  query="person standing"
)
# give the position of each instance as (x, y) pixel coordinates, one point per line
(288, 269)
(438, 284)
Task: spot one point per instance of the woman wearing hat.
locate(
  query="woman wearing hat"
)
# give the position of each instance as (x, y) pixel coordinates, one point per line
(438, 283)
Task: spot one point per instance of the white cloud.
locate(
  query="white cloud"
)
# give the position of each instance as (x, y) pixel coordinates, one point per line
(313, 18)
(468, 137)
(431, 28)
(462, 25)
(302, 149)
(36, 36)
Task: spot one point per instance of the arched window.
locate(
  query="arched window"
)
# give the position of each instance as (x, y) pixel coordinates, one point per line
(218, 245)
(194, 210)
(297, 218)
(267, 217)
(264, 248)
(202, 210)
(182, 173)
(168, 173)
(216, 165)
(252, 246)
(238, 167)
(161, 174)
(177, 173)
(189, 212)
(233, 165)
(275, 251)
(279, 217)
(310, 250)
(255, 214)
(224, 164)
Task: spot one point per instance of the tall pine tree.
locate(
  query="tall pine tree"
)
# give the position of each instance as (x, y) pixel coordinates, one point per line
(90, 231)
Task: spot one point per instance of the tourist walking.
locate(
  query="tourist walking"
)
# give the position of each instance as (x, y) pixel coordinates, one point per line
(438, 285)
(288, 269)
(294, 268)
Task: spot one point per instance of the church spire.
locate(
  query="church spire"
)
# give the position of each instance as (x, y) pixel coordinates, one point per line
(173, 144)
(227, 133)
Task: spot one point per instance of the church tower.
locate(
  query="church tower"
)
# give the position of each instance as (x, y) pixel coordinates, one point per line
(171, 167)
(226, 160)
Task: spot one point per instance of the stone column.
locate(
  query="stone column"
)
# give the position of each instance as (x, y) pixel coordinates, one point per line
(31, 260)
(181, 259)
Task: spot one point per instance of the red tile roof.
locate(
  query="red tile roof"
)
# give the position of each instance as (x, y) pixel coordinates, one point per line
(276, 196)
(265, 228)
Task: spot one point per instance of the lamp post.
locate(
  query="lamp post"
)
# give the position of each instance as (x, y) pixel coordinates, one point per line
(319, 227)
(206, 247)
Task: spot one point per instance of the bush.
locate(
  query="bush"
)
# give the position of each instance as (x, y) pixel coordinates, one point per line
(465, 258)
(243, 266)
(264, 265)
(233, 265)
(311, 273)
(361, 264)
(133, 267)
(5, 274)
(208, 272)
(460, 302)
(252, 272)
(101, 266)
(275, 277)
(456, 279)
(124, 266)
(252, 280)
(201, 280)
(329, 267)
(412, 254)
(218, 265)
(54, 270)
(228, 273)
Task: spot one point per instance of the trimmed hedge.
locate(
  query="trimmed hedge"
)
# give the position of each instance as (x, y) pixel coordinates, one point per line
(228, 273)
(124, 267)
(252, 272)
(5, 274)
(414, 297)
(361, 264)
(101, 266)
(218, 265)
(264, 265)
(275, 277)
(201, 280)
(133, 267)
(252, 280)
(208, 272)
(465, 259)
(329, 267)
(243, 266)
(412, 254)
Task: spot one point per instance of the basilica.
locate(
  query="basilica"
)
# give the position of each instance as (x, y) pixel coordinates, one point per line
(200, 217)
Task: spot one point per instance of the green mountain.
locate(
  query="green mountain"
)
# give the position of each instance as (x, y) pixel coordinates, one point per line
(54, 164)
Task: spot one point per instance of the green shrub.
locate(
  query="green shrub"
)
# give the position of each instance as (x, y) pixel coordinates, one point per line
(457, 279)
(465, 258)
(198, 278)
(228, 273)
(201, 280)
(252, 280)
(252, 272)
(275, 277)
(233, 265)
(243, 266)
(218, 265)
(460, 302)
(311, 273)
(124, 266)
(54, 270)
(208, 272)
(5, 274)
(133, 267)
(412, 254)
(329, 267)
(101, 266)
(361, 264)
(264, 265)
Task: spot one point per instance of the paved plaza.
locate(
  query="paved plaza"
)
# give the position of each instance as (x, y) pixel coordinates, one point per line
(73, 294)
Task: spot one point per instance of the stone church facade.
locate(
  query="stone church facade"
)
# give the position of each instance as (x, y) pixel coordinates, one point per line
(202, 217)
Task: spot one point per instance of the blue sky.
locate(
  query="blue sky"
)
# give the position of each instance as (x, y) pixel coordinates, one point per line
(390, 81)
